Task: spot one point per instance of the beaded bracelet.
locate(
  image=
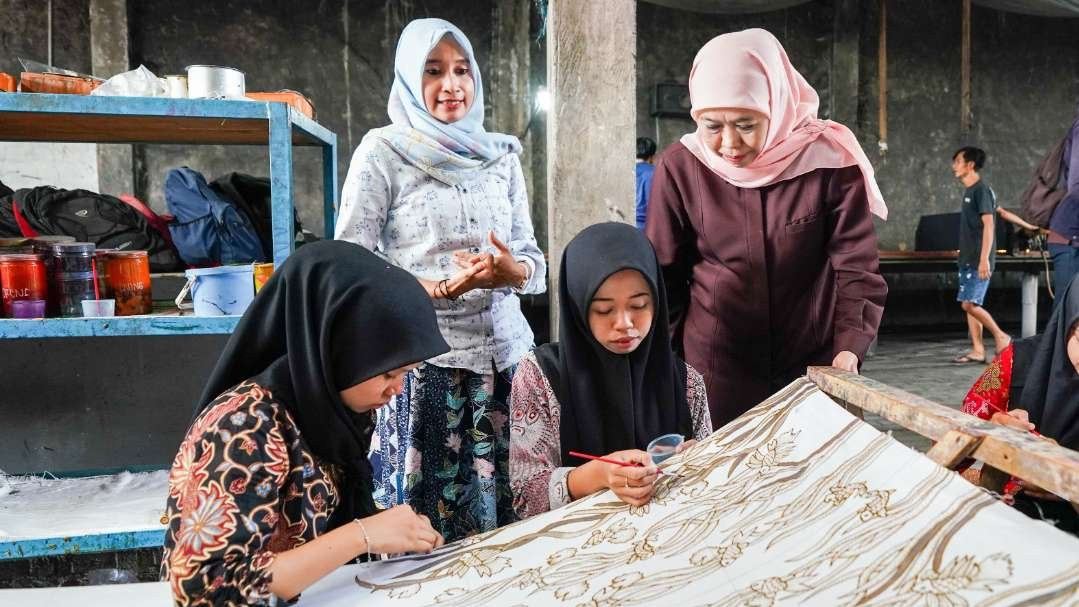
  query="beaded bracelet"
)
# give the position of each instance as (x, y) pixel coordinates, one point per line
(366, 539)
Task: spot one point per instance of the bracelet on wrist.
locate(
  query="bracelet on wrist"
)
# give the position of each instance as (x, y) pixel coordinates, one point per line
(366, 538)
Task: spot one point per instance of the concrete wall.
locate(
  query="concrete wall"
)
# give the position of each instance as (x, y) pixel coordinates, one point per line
(1025, 86)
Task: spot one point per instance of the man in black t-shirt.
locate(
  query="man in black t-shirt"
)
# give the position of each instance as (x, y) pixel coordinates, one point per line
(977, 256)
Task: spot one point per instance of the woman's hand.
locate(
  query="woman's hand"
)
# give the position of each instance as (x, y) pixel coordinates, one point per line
(632, 484)
(453, 287)
(1016, 418)
(846, 361)
(493, 271)
(400, 529)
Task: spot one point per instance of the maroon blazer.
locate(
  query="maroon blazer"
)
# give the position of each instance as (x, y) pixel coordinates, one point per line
(763, 282)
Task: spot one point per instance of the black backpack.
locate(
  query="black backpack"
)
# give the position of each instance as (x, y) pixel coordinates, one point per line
(104, 220)
(1047, 187)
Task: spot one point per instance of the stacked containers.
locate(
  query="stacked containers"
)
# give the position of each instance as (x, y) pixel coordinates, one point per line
(128, 279)
(74, 281)
(43, 246)
(23, 277)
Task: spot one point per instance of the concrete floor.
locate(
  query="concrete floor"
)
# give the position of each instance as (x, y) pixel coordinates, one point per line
(921, 364)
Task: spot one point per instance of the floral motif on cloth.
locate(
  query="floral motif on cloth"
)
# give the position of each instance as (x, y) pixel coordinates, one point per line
(243, 487)
(795, 502)
(989, 394)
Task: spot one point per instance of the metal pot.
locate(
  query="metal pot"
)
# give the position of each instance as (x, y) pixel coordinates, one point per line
(214, 82)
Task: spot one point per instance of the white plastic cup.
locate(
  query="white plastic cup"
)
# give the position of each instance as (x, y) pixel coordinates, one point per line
(98, 308)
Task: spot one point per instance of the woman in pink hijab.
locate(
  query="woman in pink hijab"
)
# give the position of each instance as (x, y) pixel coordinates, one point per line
(761, 221)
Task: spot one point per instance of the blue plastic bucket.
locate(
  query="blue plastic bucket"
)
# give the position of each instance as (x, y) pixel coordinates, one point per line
(220, 291)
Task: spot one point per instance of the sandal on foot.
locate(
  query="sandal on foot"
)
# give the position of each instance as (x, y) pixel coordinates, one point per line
(963, 359)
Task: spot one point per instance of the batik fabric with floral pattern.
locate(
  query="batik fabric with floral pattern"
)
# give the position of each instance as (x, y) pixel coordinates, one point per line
(442, 446)
(244, 486)
(991, 392)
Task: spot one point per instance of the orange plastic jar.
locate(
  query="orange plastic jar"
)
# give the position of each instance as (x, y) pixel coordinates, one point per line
(22, 276)
(128, 275)
(262, 273)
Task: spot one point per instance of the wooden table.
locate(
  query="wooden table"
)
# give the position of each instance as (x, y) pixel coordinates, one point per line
(1030, 264)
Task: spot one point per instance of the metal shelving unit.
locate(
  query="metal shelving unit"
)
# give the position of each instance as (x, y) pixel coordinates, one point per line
(90, 119)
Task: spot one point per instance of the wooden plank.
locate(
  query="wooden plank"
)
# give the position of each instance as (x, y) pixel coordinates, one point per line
(1039, 461)
(953, 448)
(139, 129)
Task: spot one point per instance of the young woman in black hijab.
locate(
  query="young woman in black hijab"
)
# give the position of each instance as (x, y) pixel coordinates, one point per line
(271, 488)
(1034, 385)
(608, 387)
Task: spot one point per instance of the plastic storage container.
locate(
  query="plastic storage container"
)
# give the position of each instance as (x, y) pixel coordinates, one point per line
(128, 278)
(22, 276)
(71, 289)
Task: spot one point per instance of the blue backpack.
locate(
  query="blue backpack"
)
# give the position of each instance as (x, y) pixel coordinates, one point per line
(208, 228)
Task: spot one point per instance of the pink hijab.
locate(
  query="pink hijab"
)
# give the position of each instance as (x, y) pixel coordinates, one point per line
(750, 70)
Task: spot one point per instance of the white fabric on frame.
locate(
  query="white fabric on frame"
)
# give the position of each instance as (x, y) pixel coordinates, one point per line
(795, 502)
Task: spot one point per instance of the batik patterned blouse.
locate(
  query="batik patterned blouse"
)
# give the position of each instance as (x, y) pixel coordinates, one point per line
(537, 477)
(244, 486)
(991, 393)
(417, 222)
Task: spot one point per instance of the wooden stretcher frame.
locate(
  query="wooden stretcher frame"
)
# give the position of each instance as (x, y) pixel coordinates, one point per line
(957, 435)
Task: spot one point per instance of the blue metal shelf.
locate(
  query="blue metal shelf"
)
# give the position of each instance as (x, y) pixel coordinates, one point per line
(80, 544)
(90, 119)
(116, 327)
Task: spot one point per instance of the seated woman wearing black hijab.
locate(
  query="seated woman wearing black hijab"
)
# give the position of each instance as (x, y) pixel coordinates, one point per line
(1033, 385)
(608, 387)
(271, 488)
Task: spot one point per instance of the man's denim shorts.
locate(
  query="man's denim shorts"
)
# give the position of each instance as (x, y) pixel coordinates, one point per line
(971, 288)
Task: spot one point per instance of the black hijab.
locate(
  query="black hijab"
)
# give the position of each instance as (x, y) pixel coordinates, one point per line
(333, 315)
(612, 401)
(1051, 393)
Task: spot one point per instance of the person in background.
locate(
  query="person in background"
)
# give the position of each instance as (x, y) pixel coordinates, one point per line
(271, 488)
(646, 153)
(761, 222)
(610, 384)
(1033, 385)
(1063, 239)
(442, 198)
(977, 252)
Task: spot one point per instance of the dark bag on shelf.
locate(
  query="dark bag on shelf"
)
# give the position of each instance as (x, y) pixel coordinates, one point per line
(208, 228)
(252, 194)
(104, 220)
(1046, 188)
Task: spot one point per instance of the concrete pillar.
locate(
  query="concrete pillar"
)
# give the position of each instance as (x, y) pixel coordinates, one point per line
(507, 74)
(845, 40)
(591, 128)
(109, 56)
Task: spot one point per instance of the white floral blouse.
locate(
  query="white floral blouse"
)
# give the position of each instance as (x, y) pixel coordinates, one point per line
(537, 477)
(416, 219)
